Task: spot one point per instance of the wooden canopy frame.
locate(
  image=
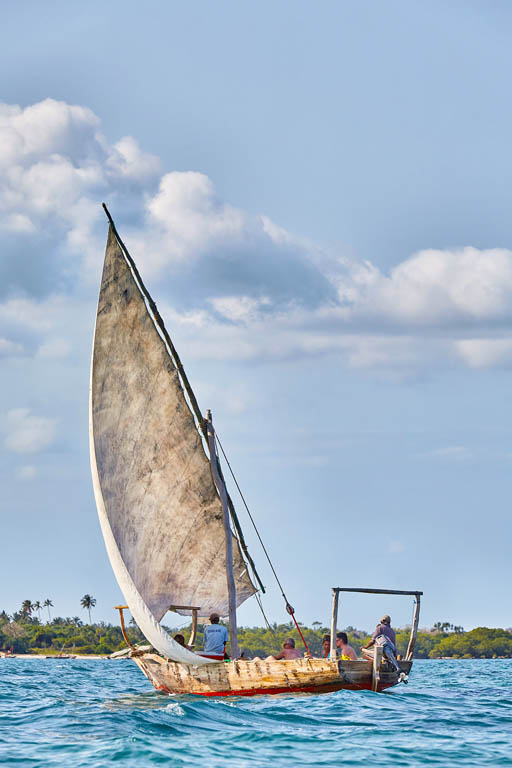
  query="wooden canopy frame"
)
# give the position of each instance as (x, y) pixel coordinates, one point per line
(335, 606)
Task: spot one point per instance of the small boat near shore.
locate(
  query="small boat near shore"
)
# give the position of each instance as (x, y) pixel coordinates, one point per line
(169, 524)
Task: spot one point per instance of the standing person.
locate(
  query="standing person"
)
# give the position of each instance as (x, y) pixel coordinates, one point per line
(346, 651)
(215, 637)
(385, 636)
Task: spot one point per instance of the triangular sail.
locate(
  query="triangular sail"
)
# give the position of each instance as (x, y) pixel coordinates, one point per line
(155, 481)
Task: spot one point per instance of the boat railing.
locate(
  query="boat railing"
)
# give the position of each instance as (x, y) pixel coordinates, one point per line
(335, 607)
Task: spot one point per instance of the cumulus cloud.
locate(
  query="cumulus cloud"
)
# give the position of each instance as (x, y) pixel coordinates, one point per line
(485, 352)
(236, 284)
(10, 348)
(55, 166)
(433, 288)
(27, 433)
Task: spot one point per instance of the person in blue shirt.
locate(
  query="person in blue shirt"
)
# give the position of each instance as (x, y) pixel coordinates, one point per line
(215, 637)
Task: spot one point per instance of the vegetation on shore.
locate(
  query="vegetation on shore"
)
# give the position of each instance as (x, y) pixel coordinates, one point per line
(24, 632)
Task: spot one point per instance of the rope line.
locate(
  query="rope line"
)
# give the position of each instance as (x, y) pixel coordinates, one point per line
(289, 607)
(259, 601)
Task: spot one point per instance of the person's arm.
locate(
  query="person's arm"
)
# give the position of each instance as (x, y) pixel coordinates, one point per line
(371, 641)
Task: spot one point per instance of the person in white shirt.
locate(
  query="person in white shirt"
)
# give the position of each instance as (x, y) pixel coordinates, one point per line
(215, 637)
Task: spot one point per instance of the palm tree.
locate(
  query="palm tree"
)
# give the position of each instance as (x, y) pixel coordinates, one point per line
(47, 604)
(37, 607)
(26, 608)
(87, 602)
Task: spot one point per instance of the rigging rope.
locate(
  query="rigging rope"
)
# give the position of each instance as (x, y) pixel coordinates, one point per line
(289, 607)
(258, 600)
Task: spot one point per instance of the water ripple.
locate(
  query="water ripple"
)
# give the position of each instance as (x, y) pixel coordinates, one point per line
(100, 713)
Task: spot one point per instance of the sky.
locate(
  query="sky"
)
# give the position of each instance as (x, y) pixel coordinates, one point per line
(318, 198)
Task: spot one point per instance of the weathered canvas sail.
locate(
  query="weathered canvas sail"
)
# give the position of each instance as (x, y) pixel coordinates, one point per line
(162, 518)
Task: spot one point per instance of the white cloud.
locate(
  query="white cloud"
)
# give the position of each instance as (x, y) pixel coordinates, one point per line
(238, 284)
(485, 353)
(55, 166)
(27, 433)
(10, 348)
(54, 348)
(239, 309)
(435, 287)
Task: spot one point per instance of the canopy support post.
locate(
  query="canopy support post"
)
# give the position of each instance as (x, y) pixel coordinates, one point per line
(221, 488)
(193, 631)
(194, 610)
(121, 608)
(377, 658)
(334, 621)
(414, 629)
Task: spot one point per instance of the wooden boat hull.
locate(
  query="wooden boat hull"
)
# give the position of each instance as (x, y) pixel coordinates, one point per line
(252, 678)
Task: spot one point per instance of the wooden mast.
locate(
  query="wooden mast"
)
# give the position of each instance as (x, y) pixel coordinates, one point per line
(334, 621)
(230, 578)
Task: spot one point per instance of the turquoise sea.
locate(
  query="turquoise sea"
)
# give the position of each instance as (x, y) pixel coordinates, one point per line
(101, 713)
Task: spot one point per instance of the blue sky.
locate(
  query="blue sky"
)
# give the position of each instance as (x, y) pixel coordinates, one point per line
(318, 198)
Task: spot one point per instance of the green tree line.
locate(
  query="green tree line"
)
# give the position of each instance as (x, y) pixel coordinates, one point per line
(25, 632)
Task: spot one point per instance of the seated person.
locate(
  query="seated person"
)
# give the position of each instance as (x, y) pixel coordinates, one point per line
(215, 637)
(181, 641)
(288, 651)
(385, 636)
(326, 646)
(345, 650)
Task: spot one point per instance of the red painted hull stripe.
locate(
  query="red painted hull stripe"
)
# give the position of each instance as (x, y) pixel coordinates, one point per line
(271, 691)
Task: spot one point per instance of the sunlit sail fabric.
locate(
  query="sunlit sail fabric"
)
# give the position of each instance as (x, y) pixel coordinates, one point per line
(157, 492)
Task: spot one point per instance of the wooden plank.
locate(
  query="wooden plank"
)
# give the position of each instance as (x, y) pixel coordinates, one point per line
(377, 591)
(377, 658)
(414, 629)
(334, 621)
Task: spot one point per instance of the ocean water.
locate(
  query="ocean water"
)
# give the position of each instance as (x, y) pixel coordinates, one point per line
(102, 713)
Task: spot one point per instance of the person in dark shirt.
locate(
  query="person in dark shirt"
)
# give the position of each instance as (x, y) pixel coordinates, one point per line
(385, 636)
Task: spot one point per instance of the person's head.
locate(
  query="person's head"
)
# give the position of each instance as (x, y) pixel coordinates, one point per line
(386, 619)
(289, 643)
(180, 639)
(342, 638)
(214, 618)
(326, 641)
